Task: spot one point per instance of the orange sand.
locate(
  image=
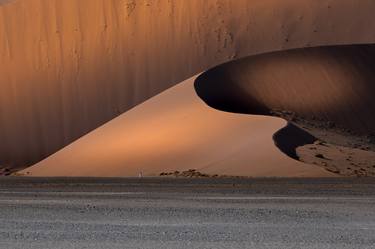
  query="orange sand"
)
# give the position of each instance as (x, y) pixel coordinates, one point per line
(176, 130)
(69, 66)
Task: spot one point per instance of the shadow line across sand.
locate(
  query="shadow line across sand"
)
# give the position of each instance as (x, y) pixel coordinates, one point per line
(333, 85)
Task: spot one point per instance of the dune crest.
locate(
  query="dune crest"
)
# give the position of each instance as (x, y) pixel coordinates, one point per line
(334, 83)
(326, 93)
(207, 123)
(176, 130)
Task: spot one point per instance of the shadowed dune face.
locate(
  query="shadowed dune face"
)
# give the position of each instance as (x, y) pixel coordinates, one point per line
(336, 84)
(68, 66)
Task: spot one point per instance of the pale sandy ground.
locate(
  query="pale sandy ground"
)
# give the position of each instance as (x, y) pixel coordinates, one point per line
(176, 130)
(335, 149)
(69, 66)
(339, 159)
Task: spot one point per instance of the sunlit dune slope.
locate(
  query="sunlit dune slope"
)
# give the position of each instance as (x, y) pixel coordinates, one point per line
(177, 131)
(333, 84)
(69, 66)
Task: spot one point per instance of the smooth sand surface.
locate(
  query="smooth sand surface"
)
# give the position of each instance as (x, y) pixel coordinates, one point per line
(176, 130)
(69, 66)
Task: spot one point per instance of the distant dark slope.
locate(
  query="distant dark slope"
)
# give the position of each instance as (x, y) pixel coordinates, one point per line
(333, 84)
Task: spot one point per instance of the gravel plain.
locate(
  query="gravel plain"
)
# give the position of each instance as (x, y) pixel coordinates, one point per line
(187, 213)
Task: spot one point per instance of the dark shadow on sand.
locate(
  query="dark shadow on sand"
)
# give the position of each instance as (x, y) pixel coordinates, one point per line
(289, 138)
(335, 83)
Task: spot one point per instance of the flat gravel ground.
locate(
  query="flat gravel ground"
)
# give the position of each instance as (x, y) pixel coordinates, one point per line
(187, 213)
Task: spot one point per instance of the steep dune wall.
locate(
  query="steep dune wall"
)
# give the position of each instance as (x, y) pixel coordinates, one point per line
(335, 84)
(67, 67)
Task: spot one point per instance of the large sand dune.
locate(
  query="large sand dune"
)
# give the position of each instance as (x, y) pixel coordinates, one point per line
(177, 131)
(69, 66)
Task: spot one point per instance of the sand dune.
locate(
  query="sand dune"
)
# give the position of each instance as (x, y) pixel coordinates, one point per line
(69, 66)
(173, 131)
(335, 84)
(326, 92)
(177, 131)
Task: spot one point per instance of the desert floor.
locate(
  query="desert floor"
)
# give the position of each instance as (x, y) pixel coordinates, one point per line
(187, 213)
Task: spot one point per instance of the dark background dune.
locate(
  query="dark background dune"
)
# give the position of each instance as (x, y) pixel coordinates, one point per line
(69, 66)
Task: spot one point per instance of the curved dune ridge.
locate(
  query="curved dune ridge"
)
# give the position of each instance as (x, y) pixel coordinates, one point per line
(67, 67)
(177, 131)
(326, 93)
(335, 83)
